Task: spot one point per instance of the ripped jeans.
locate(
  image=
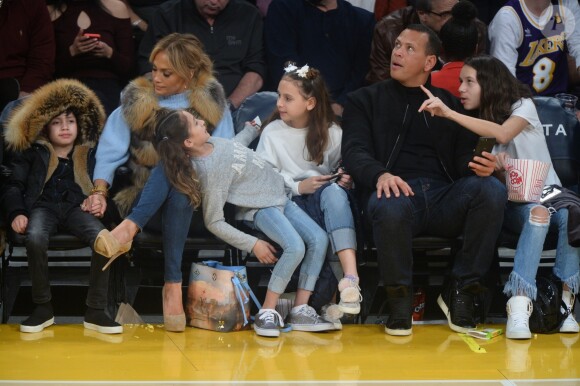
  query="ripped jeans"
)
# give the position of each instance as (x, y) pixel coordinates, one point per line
(522, 279)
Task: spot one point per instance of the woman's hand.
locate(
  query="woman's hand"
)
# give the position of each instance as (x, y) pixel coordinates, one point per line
(265, 252)
(103, 50)
(483, 166)
(311, 184)
(82, 44)
(434, 105)
(95, 204)
(20, 223)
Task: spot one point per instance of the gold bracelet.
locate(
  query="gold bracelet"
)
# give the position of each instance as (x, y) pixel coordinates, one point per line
(102, 190)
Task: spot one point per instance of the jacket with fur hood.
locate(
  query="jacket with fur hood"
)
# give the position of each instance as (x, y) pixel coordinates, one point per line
(35, 160)
(139, 105)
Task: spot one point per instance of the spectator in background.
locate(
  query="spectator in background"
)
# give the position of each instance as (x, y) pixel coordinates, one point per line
(332, 35)
(384, 7)
(231, 33)
(486, 9)
(26, 43)
(532, 38)
(459, 42)
(431, 13)
(104, 61)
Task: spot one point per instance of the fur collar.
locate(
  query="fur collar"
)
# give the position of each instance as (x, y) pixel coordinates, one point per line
(26, 123)
(140, 104)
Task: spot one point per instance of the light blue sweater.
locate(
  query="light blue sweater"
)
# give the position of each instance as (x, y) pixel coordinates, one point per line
(113, 149)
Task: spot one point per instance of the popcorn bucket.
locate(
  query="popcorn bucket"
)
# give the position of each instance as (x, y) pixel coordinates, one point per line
(525, 179)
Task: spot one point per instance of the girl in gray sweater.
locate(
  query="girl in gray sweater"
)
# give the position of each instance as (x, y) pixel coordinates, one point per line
(212, 171)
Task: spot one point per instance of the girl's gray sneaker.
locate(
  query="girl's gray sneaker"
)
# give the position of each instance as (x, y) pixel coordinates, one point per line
(268, 323)
(305, 318)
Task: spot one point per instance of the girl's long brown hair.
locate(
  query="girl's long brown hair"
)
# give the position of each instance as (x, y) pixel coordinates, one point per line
(321, 117)
(499, 88)
(170, 132)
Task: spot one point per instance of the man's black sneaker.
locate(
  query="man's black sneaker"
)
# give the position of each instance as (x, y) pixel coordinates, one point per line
(41, 317)
(458, 305)
(98, 321)
(400, 305)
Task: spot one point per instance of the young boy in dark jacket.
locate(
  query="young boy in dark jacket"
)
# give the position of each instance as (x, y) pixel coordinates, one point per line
(53, 133)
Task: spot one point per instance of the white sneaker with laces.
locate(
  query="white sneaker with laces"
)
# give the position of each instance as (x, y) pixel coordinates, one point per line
(570, 325)
(519, 309)
(350, 296)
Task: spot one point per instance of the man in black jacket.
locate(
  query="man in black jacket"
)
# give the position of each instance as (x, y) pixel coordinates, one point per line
(417, 175)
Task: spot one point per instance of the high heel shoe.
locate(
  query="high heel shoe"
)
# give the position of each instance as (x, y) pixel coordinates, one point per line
(108, 246)
(176, 322)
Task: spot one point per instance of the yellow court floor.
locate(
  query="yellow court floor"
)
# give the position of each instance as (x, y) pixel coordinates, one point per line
(359, 354)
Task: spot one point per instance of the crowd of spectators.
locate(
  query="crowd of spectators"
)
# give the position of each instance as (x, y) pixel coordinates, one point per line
(250, 40)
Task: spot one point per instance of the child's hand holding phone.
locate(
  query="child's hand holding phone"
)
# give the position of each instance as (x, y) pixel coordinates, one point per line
(483, 165)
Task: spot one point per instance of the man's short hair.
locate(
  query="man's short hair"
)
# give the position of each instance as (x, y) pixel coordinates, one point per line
(423, 5)
(433, 42)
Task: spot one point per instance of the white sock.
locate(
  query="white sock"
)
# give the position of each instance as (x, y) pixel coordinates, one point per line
(567, 298)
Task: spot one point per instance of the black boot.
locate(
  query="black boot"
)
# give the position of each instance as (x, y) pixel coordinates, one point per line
(400, 301)
(458, 305)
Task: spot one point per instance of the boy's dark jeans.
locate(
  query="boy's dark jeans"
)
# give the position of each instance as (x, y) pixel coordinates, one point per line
(45, 219)
(471, 207)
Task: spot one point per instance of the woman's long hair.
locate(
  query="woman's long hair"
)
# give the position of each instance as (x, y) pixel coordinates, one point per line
(320, 117)
(170, 132)
(499, 88)
(186, 57)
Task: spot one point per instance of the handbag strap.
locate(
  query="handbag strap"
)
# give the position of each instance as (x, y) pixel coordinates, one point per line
(242, 297)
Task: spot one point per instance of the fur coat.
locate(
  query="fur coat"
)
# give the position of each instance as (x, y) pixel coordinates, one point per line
(139, 105)
(26, 124)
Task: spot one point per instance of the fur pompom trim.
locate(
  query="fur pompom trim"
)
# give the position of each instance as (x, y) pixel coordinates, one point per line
(28, 120)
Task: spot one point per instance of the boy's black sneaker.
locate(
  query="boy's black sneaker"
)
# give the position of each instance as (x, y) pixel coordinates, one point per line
(41, 317)
(98, 321)
(458, 305)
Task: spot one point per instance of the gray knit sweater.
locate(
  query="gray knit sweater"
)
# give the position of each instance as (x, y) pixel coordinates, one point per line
(234, 173)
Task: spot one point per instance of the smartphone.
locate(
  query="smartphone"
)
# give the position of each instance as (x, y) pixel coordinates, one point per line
(257, 121)
(94, 36)
(335, 176)
(484, 144)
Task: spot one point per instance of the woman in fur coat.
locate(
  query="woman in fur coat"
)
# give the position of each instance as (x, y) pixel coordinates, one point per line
(53, 133)
(181, 78)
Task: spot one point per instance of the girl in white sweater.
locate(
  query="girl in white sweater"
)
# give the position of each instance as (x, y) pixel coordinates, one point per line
(302, 142)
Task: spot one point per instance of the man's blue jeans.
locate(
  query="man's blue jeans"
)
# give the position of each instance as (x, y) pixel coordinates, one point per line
(522, 279)
(176, 218)
(472, 207)
(300, 238)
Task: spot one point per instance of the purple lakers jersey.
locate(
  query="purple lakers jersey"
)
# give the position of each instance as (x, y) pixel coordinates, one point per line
(542, 56)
